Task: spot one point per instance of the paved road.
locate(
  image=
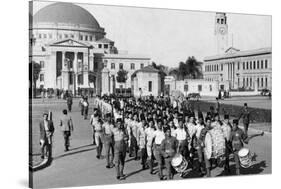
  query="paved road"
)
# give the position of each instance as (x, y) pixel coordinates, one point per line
(79, 166)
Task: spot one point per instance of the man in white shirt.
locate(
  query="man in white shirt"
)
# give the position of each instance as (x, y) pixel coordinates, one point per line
(159, 136)
(182, 137)
(150, 133)
(93, 121)
(141, 140)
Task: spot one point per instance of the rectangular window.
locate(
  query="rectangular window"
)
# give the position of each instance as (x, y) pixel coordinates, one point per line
(185, 88)
(80, 79)
(266, 82)
(60, 36)
(100, 46)
(86, 38)
(250, 82)
(258, 64)
(42, 64)
(105, 46)
(247, 82)
(141, 66)
(262, 82)
(70, 79)
(265, 64)
(199, 88)
(254, 65)
(39, 36)
(210, 88)
(65, 36)
(250, 65)
(91, 38)
(247, 65)
(258, 81)
(150, 86)
(262, 64)
(41, 77)
(72, 36)
(45, 36)
(243, 82)
(113, 66)
(243, 65)
(121, 66)
(238, 65)
(132, 66)
(81, 37)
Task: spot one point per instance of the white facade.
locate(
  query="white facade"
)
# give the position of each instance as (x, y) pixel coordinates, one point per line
(235, 69)
(146, 82)
(72, 49)
(241, 69)
(187, 86)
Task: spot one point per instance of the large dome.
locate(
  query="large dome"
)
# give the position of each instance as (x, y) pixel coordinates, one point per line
(66, 13)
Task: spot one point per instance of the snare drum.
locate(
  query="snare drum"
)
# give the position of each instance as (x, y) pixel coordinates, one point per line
(245, 157)
(179, 163)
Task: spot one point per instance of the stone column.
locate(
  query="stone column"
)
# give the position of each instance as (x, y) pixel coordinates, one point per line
(105, 81)
(65, 73)
(85, 70)
(75, 71)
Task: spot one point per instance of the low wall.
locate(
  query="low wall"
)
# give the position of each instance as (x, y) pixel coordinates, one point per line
(258, 115)
(244, 93)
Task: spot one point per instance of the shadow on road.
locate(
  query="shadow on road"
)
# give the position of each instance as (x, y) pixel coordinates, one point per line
(133, 173)
(72, 153)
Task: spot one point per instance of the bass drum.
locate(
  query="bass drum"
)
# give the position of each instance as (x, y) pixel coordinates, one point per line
(208, 145)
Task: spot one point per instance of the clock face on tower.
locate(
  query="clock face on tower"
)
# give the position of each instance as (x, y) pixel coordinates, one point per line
(222, 30)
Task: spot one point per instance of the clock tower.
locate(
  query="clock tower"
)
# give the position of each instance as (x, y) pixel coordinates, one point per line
(221, 32)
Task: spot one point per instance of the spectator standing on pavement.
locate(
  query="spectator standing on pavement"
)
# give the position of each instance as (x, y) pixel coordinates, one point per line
(66, 128)
(108, 141)
(86, 107)
(93, 121)
(46, 132)
(69, 103)
(81, 105)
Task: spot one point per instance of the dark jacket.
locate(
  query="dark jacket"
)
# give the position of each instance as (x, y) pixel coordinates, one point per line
(43, 135)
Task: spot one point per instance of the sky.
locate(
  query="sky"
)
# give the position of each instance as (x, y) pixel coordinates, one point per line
(170, 36)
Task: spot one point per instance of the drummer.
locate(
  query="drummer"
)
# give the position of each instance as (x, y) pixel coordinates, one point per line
(182, 137)
(168, 148)
(201, 142)
(237, 138)
(226, 128)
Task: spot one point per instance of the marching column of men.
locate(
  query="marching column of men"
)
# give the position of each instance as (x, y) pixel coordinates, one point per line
(158, 131)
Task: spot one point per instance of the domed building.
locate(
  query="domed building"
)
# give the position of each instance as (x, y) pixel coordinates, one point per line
(74, 53)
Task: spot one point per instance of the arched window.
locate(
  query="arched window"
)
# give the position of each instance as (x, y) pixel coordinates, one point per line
(121, 66)
(113, 66)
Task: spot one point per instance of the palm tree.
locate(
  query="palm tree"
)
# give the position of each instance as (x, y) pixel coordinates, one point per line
(191, 68)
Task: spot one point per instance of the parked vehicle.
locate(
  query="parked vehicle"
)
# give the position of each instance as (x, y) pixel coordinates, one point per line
(265, 92)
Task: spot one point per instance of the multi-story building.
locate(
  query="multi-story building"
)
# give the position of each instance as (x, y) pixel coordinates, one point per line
(235, 69)
(73, 51)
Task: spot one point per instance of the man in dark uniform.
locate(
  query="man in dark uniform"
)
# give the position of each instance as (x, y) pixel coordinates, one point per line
(120, 138)
(245, 114)
(66, 127)
(169, 148)
(46, 132)
(69, 102)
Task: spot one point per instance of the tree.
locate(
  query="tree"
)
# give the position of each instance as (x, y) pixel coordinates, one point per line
(34, 70)
(122, 76)
(190, 69)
